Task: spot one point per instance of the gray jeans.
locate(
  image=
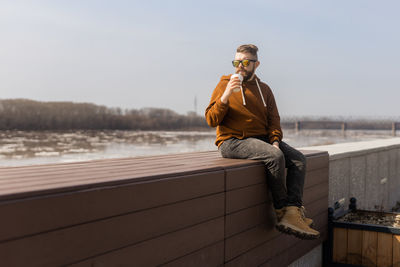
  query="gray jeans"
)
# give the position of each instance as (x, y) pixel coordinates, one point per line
(275, 160)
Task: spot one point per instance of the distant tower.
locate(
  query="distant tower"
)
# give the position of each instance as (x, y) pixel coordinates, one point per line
(195, 104)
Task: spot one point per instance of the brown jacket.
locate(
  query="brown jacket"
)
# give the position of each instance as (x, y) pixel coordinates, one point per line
(235, 119)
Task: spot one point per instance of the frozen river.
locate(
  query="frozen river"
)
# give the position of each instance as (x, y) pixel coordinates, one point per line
(26, 148)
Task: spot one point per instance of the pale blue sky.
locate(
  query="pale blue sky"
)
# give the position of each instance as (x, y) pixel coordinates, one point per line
(319, 57)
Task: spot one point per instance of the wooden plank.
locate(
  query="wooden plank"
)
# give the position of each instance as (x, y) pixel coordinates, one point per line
(143, 164)
(64, 182)
(272, 252)
(310, 152)
(384, 252)
(51, 171)
(30, 171)
(30, 216)
(209, 156)
(83, 184)
(318, 160)
(210, 256)
(320, 217)
(369, 248)
(315, 177)
(87, 240)
(69, 175)
(245, 219)
(252, 175)
(163, 249)
(339, 245)
(240, 243)
(396, 250)
(128, 160)
(94, 179)
(120, 164)
(315, 192)
(279, 260)
(246, 197)
(49, 206)
(111, 175)
(250, 239)
(354, 246)
(241, 177)
(255, 255)
(245, 176)
(149, 163)
(317, 207)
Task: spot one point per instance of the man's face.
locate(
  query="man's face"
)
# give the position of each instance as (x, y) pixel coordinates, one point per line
(246, 72)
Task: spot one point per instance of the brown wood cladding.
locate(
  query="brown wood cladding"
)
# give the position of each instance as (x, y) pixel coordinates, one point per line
(192, 209)
(61, 244)
(210, 256)
(162, 249)
(273, 250)
(247, 239)
(61, 210)
(365, 248)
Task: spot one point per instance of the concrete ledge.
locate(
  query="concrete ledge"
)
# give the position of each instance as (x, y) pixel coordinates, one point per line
(368, 170)
(345, 150)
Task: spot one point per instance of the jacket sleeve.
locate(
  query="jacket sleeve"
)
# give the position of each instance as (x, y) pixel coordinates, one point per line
(274, 120)
(216, 110)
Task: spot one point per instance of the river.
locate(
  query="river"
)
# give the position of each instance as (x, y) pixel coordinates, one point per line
(19, 148)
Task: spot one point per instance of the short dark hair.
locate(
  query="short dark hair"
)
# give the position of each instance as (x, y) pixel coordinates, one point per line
(248, 48)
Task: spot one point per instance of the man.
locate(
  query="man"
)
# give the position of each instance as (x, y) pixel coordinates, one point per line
(248, 127)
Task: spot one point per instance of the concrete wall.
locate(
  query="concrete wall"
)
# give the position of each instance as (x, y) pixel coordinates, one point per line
(368, 170)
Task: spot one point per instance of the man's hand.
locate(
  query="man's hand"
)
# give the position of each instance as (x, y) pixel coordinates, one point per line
(276, 144)
(232, 85)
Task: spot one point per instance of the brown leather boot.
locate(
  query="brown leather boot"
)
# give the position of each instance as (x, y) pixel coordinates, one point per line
(308, 221)
(293, 223)
(281, 212)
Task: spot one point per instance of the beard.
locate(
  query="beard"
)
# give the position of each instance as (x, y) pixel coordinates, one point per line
(247, 74)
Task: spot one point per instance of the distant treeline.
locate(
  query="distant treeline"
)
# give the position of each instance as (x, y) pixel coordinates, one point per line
(23, 114)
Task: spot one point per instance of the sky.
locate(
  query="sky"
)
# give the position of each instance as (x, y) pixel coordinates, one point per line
(321, 58)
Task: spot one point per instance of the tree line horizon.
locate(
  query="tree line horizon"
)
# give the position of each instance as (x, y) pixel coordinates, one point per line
(26, 114)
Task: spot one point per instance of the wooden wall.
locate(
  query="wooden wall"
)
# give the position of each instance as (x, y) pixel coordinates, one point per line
(193, 209)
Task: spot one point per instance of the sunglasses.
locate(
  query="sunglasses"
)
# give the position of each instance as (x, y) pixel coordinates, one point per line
(245, 62)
